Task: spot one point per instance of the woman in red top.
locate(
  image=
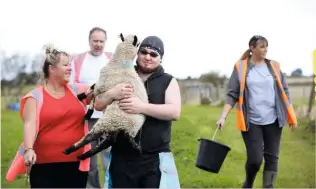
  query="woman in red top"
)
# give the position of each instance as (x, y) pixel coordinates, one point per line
(60, 125)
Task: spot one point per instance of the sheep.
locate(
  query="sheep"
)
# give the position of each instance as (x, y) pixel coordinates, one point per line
(119, 69)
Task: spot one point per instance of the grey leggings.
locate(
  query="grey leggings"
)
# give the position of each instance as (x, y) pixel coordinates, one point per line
(262, 141)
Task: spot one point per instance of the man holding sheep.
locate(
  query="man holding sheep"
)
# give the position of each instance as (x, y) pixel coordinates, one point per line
(154, 166)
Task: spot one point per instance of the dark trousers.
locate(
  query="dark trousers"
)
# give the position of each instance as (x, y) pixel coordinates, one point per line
(262, 142)
(58, 175)
(135, 172)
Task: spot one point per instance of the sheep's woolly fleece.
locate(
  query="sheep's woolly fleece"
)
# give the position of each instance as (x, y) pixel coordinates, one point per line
(119, 69)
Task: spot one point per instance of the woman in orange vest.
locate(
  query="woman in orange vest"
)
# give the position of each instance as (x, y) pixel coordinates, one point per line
(53, 119)
(259, 90)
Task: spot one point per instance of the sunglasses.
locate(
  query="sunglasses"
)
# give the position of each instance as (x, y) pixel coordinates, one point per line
(152, 54)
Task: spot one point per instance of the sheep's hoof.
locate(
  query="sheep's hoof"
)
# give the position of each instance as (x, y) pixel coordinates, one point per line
(135, 145)
(82, 96)
(89, 153)
(88, 115)
(104, 144)
(69, 150)
(85, 155)
(139, 148)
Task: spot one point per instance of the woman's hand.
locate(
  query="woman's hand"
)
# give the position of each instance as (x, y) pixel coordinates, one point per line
(120, 91)
(29, 157)
(292, 127)
(220, 122)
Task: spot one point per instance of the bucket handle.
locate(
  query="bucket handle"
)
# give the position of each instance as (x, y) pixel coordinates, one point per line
(215, 133)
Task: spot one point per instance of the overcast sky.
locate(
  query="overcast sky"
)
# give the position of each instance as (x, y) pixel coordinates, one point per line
(199, 35)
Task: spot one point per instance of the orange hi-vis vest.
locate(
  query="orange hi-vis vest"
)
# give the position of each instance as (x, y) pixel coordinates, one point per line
(17, 166)
(78, 61)
(241, 67)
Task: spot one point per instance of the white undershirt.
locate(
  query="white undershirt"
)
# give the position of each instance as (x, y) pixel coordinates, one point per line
(90, 72)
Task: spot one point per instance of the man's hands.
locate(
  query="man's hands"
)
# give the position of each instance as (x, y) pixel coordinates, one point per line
(120, 91)
(124, 93)
(132, 105)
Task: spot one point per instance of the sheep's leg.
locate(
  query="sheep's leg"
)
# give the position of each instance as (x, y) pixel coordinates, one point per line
(91, 136)
(134, 144)
(83, 95)
(103, 145)
(89, 113)
(110, 139)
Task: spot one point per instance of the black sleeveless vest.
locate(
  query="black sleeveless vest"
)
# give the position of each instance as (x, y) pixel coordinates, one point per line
(155, 135)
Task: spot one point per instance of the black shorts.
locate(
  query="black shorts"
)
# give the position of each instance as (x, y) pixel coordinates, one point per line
(141, 171)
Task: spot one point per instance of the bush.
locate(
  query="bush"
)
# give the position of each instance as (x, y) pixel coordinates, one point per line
(205, 101)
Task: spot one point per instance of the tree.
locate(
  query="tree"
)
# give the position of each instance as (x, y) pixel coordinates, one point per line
(297, 73)
(213, 77)
(13, 75)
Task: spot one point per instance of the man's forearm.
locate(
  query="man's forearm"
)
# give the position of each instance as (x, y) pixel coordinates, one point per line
(102, 100)
(162, 111)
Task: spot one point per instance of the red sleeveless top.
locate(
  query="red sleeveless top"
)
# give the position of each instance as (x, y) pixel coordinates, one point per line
(60, 125)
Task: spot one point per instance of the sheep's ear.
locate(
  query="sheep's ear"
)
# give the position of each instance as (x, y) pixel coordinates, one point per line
(135, 40)
(122, 37)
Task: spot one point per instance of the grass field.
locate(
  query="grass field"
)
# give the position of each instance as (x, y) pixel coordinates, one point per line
(297, 158)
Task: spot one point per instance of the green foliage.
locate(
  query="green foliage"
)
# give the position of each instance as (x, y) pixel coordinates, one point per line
(213, 77)
(205, 101)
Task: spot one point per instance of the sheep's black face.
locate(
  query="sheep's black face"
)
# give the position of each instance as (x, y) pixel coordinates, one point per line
(127, 50)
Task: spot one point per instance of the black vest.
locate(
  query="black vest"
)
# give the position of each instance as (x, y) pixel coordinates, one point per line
(155, 135)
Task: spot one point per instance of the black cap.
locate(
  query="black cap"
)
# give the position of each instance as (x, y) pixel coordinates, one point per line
(154, 43)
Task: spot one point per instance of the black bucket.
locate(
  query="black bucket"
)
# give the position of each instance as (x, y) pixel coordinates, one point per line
(211, 155)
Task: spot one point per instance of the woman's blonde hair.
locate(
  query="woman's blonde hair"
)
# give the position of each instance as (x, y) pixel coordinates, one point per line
(51, 57)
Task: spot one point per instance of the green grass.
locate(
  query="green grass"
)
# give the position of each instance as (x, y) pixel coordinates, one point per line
(296, 166)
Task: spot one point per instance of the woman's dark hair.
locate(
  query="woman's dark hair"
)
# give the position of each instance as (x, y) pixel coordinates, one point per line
(253, 43)
(52, 57)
